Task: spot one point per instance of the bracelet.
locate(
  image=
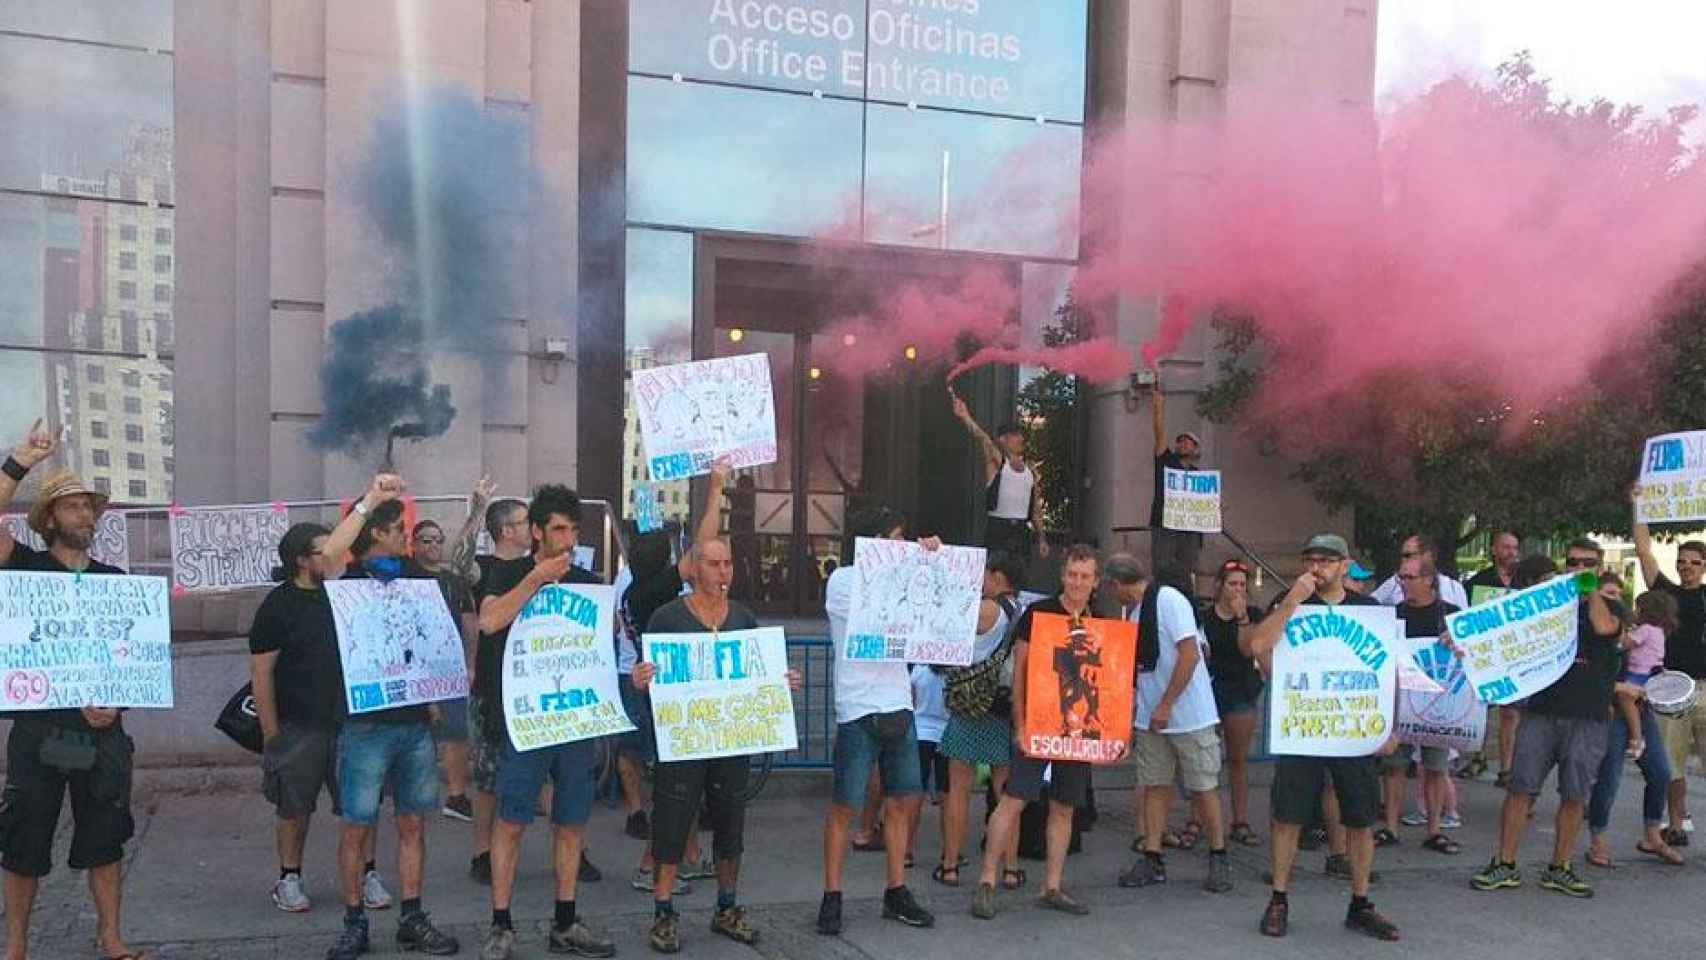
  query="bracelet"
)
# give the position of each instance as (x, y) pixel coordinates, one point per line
(12, 468)
(360, 508)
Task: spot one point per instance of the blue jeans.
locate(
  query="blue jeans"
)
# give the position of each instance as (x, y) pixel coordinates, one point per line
(370, 754)
(522, 775)
(1655, 769)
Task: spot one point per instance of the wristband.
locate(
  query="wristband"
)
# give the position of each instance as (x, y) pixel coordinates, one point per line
(12, 468)
(360, 507)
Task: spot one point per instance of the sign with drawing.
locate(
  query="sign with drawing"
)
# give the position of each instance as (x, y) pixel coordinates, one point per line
(398, 643)
(914, 605)
(692, 414)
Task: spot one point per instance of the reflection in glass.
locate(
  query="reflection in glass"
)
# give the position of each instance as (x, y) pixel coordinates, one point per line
(658, 330)
(739, 159)
(137, 23)
(1011, 186)
(760, 500)
(807, 46)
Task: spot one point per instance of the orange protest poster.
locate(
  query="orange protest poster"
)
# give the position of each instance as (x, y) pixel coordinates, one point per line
(1078, 688)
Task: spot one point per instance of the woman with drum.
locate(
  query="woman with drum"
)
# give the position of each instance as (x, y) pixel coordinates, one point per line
(1638, 739)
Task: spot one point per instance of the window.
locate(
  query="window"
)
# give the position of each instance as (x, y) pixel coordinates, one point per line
(127, 232)
(162, 263)
(133, 405)
(162, 293)
(138, 489)
(135, 461)
(98, 429)
(132, 433)
(97, 401)
(100, 458)
(94, 374)
(104, 485)
(163, 236)
(127, 260)
(166, 465)
(126, 290)
(130, 378)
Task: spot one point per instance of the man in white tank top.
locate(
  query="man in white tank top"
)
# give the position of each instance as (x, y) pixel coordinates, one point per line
(1012, 494)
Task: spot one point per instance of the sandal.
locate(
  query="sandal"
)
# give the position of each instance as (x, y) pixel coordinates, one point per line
(1169, 839)
(1664, 853)
(1385, 838)
(1137, 843)
(1635, 749)
(1190, 835)
(1243, 835)
(1440, 843)
(1012, 878)
(1676, 838)
(910, 863)
(1601, 860)
(945, 875)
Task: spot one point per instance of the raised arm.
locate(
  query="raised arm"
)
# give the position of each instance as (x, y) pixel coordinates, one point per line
(1605, 623)
(1265, 635)
(385, 486)
(991, 453)
(1158, 411)
(1644, 550)
(462, 562)
(711, 516)
(498, 612)
(36, 446)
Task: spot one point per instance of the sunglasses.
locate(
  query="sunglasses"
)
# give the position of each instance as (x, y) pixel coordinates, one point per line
(1411, 577)
(1574, 562)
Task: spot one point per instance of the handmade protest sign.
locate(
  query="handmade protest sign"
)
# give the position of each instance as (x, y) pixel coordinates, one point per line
(111, 544)
(647, 516)
(692, 414)
(721, 694)
(1191, 500)
(69, 641)
(559, 668)
(218, 548)
(398, 643)
(1335, 679)
(1519, 644)
(912, 604)
(1672, 487)
(1453, 717)
(1078, 688)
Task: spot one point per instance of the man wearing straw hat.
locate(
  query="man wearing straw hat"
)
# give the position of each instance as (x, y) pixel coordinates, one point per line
(50, 752)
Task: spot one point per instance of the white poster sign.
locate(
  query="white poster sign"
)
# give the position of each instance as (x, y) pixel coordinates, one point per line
(1672, 487)
(1335, 679)
(112, 537)
(220, 548)
(1191, 500)
(692, 414)
(398, 643)
(914, 605)
(1452, 716)
(69, 641)
(1519, 644)
(721, 694)
(559, 668)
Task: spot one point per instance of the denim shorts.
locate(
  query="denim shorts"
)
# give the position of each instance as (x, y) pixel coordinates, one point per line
(370, 754)
(889, 740)
(639, 743)
(522, 775)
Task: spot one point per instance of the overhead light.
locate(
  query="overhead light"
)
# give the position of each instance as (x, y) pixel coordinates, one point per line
(912, 353)
(736, 335)
(814, 373)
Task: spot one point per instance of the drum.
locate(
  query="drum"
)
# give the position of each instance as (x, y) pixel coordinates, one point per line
(1671, 692)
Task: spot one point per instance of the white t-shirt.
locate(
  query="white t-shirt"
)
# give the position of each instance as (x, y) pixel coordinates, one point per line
(626, 656)
(861, 687)
(1451, 591)
(929, 706)
(1194, 710)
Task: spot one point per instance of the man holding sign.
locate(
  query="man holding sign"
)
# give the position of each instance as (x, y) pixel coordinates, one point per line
(1685, 651)
(1298, 779)
(1173, 553)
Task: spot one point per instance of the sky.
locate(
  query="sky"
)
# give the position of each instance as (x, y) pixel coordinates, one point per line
(1647, 52)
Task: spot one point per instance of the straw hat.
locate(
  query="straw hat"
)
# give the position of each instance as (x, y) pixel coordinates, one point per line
(56, 485)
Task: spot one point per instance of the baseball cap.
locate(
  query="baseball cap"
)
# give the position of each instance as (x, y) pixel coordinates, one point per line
(1187, 435)
(1330, 543)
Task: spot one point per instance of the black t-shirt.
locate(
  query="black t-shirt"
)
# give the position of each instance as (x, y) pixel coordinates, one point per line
(1352, 599)
(1163, 462)
(414, 713)
(43, 561)
(1428, 621)
(1585, 689)
(308, 676)
(1233, 675)
(501, 577)
(1685, 647)
(677, 617)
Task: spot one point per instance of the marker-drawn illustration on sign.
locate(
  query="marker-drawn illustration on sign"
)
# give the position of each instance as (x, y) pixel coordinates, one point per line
(647, 516)
(559, 668)
(1453, 717)
(914, 605)
(721, 694)
(111, 544)
(1078, 688)
(1672, 487)
(69, 641)
(1191, 500)
(398, 643)
(691, 414)
(219, 548)
(1335, 679)
(1519, 644)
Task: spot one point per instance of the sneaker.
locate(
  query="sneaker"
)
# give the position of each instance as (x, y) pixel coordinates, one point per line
(579, 939)
(1450, 821)
(1415, 818)
(1497, 876)
(499, 945)
(642, 881)
(588, 872)
(732, 923)
(666, 933)
(983, 901)
(1144, 873)
(1372, 922)
(1219, 879)
(829, 915)
(702, 870)
(288, 895)
(638, 826)
(1561, 877)
(352, 941)
(1275, 919)
(1687, 824)
(1062, 901)
(480, 869)
(899, 904)
(457, 808)
(374, 896)
(416, 932)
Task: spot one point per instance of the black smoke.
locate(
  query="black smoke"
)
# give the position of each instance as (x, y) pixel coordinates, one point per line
(375, 384)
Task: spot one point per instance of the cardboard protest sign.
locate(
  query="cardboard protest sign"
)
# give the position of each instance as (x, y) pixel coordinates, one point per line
(1453, 717)
(721, 694)
(1191, 500)
(1078, 688)
(559, 668)
(691, 414)
(1519, 644)
(111, 544)
(1672, 487)
(398, 643)
(219, 548)
(914, 605)
(69, 641)
(1335, 677)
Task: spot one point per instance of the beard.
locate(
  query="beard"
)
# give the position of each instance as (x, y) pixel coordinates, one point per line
(74, 539)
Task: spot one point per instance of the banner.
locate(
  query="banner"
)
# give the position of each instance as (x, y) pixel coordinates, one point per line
(69, 641)
(218, 548)
(1191, 500)
(1334, 682)
(1454, 717)
(693, 413)
(112, 537)
(721, 694)
(559, 668)
(398, 644)
(914, 605)
(1078, 688)
(1519, 644)
(1672, 487)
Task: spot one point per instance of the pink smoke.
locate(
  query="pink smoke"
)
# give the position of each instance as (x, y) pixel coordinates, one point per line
(1094, 360)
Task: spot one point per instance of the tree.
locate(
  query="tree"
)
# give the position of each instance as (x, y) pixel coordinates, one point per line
(1052, 418)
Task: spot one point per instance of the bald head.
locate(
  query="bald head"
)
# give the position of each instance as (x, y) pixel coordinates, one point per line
(711, 566)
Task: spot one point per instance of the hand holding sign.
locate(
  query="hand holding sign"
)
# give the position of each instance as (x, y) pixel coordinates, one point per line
(1672, 486)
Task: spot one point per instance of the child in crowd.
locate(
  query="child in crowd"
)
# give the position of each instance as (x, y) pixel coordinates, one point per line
(1644, 653)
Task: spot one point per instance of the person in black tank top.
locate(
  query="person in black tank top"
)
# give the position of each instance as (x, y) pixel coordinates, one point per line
(1237, 686)
(1003, 458)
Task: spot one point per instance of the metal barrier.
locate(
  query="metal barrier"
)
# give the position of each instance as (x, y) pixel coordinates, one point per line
(814, 703)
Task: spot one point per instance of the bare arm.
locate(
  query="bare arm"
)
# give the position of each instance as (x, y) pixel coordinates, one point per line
(1264, 636)
(1245, 635)
(266, 698)
(1158, 410)
(462, 562)
(36, 446)
(1604, 621)
(711, 517)
(1186, 664)
(991, 453)
(469, 623)
(498, 612)
(1644, 553)
(1021, 650)
(385, 486)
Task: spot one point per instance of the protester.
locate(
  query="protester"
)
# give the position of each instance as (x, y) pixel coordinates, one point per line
(874, 727)
(1068, 782)
(506, 523)
(1236, 684)
(1012, 494)
(1685, 651)
(390, 750)
(712, 788)
(49, 753)
(1506, 546)
(1173, 553)
(1391, 592)
(1173, 722)
(428, 541)
(1423, 614)
(980, 731)
(1563, 726)
(1298, 780)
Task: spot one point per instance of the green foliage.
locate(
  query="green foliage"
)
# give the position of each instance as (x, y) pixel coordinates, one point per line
(1050, 415)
